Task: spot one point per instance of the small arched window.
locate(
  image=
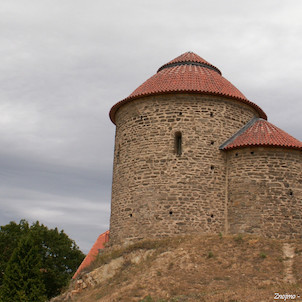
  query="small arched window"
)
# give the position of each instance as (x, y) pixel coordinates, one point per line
(178, 143)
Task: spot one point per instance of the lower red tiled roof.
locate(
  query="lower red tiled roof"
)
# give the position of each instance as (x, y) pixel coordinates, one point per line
(260, 132)
(94, 251)
(188, 73)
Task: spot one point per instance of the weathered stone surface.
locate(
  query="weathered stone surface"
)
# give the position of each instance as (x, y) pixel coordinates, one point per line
(157, 192)
(265, 191)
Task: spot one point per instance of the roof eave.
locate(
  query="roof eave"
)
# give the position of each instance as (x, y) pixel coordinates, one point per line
(115, 108)
(261, 145)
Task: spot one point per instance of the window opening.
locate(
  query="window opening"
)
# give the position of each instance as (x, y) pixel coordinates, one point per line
(178, 143)
(118, 154)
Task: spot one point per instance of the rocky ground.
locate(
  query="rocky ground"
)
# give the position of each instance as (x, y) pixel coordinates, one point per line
(197, 268)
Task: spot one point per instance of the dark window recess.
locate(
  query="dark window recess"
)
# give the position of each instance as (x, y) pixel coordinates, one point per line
(130, 215)
(180, 113)
(211, 114)
(212, 142)
(236, 154)
(178, 143)
(212, 167)
(252, 152)
(170, 212)
(291, 193)
(212, 216)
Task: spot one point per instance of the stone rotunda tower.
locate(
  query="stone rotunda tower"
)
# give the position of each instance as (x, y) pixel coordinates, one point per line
(171, 160)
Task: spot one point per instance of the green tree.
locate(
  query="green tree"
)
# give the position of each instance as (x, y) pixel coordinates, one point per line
(10, 235)
(22, 281)
(59, 255)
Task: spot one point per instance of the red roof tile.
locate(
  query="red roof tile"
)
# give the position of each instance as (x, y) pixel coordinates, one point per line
(187, 73)
(261, 133)
(94, 251)
(189, 57)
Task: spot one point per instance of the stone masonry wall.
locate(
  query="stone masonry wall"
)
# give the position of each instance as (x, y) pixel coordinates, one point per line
(156, 192)
(265, 192)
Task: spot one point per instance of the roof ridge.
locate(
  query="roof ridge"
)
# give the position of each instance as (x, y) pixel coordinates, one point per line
(189, 63)
(191, 58)
(239, 132)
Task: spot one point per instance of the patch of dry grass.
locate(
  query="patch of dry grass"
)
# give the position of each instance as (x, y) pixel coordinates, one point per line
(199, 268)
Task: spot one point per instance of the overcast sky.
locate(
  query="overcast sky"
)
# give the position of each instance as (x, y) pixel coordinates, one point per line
(65, 63)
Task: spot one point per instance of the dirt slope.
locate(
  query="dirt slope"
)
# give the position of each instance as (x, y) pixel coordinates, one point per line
(203, 268)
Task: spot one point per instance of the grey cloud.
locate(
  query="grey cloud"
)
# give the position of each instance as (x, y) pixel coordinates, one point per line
(64, 64)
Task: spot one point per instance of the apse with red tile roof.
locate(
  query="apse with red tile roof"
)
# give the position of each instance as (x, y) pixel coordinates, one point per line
(264, 165)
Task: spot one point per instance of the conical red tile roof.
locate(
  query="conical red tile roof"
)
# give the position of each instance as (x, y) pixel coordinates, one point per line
(187, 73)
(189, 57)
(260, 132)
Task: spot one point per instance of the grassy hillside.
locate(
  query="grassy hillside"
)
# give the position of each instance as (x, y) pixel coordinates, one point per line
(193, 268)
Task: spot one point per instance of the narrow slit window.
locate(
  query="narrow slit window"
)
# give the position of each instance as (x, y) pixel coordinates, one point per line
(118, 154)
(178, 143)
